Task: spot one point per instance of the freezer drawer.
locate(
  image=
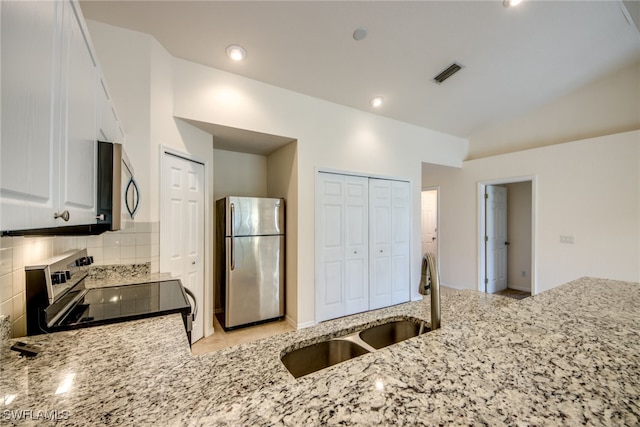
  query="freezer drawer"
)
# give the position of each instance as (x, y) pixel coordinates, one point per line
(255, 279)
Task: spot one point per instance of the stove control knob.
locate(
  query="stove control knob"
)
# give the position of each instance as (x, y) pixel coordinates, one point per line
(58, 277)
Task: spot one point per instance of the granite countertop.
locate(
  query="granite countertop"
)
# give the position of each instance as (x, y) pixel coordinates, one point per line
(567, 356)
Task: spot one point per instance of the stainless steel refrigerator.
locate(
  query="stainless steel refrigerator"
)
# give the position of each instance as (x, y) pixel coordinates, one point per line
(249, 260)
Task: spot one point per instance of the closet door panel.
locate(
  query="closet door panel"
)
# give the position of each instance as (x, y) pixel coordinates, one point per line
(356, 244)
(401, 241)
(380, 243)
(330, 268)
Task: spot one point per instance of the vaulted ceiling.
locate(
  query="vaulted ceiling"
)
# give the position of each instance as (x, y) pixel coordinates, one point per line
(514, 59)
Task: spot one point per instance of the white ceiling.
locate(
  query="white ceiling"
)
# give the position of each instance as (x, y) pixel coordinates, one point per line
(515, 59)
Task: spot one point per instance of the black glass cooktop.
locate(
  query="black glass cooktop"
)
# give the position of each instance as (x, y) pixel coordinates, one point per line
(119, 303)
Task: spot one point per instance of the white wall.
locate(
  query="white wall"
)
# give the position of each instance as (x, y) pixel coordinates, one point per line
(328, 135)
(589, 189)
(606, 106)
(239, 174)
(139, 76)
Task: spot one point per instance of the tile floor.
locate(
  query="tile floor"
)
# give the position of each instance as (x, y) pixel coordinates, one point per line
(513, 293)
(221, 339)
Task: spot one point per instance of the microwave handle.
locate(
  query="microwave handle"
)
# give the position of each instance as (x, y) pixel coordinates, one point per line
(136, 191)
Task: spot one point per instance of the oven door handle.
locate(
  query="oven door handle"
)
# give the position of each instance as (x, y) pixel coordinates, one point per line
(194, 311)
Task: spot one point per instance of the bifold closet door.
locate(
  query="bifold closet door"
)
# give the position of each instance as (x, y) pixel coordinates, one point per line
(342, 245)
(389, 242)
(400, 242)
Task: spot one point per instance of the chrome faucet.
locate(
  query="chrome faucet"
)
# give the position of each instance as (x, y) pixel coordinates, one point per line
(430, 284)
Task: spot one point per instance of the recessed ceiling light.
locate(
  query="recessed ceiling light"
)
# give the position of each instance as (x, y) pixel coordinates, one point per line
(235, 52)
(360, 34)
(511, 3)
(376, 102)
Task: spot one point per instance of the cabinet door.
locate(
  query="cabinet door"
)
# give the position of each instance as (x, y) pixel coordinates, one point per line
(380, 243)
(330, 243)
(27, 172)
(78, 122)
(400, 241)
(108, 126)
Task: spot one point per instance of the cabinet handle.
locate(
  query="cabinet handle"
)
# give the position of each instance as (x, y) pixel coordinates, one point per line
(64, 215)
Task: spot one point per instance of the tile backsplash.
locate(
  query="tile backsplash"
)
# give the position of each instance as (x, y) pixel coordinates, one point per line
(137, 244)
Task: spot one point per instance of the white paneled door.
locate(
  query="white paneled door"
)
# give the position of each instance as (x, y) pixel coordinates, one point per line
(496, 238)
(182, 228)
(429, 209)
(380, 243)
(342, 242)
(400, 241)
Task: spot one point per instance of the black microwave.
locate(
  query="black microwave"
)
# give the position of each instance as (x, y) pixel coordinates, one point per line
(118, 192)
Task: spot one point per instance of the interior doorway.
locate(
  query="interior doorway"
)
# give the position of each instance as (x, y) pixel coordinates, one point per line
(506, 255)
(182, 226)
(429, 215)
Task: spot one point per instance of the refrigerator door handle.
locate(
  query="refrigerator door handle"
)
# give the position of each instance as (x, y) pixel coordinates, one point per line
(232, 249)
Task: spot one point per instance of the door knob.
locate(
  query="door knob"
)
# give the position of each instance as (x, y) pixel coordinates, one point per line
(193, 263)
(433, 239)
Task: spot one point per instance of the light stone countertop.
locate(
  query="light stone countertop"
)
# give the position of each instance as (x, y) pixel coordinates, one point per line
(568, 356)
(5, 327)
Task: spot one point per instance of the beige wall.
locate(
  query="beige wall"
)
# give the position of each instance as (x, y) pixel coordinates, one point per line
(282, 181)
(608, 105)
(589, 189)
(239, 174)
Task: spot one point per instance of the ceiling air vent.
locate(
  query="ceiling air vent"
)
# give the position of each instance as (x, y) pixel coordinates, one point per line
(447, 72)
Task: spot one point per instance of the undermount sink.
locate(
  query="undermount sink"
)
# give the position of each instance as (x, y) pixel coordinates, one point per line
(318, 356)
(390, 333)
(321, 355)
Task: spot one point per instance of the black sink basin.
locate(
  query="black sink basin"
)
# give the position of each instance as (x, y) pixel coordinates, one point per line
(390, 333)
(318, 356)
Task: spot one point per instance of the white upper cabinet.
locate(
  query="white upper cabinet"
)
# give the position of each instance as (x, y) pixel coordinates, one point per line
(52, 113)
(109, 129)
(27, 190)
(77, 119)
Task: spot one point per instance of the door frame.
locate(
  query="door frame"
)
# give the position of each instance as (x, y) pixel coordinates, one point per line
(482, 224)
(206, 306)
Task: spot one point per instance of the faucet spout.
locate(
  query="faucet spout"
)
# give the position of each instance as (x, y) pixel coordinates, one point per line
(435, 291)
(430, 284)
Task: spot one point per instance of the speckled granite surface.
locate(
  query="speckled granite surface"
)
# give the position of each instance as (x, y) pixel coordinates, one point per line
(101, 272)
(5, 327)
(569, 356)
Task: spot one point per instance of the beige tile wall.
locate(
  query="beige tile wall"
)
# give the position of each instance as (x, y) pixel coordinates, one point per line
(140, 243)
